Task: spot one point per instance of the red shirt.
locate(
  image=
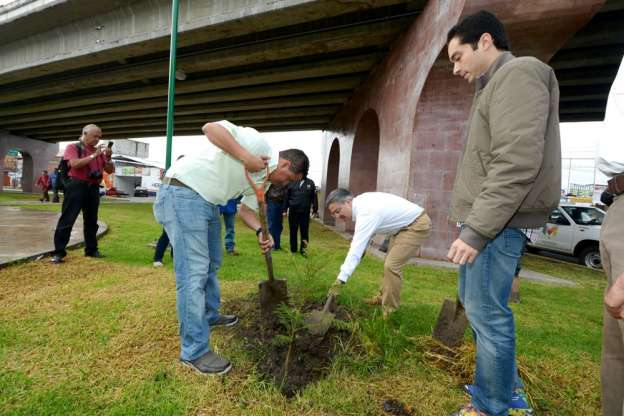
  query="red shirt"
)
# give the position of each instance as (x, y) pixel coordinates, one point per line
(44, 182)
(95, 165)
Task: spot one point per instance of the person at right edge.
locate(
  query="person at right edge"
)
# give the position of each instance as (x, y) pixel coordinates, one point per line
(508, 179)
(611, 163)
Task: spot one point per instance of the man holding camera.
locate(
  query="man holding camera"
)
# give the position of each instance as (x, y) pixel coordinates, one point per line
(86, 162)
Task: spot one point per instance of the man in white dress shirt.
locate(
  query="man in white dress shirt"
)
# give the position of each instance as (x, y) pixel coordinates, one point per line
(380, 213)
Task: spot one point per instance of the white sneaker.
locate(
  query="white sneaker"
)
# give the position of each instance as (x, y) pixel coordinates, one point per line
(158, 264)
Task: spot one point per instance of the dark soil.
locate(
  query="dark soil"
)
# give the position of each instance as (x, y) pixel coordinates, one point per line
(309, 356)
(396, 408)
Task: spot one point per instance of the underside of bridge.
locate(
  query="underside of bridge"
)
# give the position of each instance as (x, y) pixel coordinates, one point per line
(290, 68)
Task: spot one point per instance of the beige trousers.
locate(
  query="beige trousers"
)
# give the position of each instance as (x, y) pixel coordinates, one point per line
(612, 254)
(403, 246)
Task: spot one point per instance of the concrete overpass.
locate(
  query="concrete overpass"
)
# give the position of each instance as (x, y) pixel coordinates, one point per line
(273, 65)
(371, 73)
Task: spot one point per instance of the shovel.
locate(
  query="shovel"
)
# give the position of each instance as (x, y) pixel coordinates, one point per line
(318, 322)
(272, 291)
(451, 324)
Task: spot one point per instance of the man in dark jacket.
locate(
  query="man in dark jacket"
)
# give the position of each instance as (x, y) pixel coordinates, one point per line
(300, 196)
(508, 178)
(275, 198)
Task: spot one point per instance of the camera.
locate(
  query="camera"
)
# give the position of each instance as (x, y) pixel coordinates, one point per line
(95, 174)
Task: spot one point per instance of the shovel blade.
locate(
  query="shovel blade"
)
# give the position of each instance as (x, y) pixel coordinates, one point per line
(272, 293)
(451, 325)
(318, 322)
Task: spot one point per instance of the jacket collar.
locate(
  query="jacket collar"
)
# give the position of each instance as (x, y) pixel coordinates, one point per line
(483, 80)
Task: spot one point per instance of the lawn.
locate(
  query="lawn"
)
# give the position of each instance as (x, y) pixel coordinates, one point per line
(100, 336)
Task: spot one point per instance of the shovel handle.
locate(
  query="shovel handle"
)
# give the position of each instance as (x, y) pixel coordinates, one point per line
(259, 190)
(328, 303)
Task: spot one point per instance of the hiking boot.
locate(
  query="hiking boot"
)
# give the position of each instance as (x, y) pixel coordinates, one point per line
(97, 254)
(158, 264)
(56, 259)
(224, 320)
(209, 364)
(519, 403)
(468, 410)
(374, 301)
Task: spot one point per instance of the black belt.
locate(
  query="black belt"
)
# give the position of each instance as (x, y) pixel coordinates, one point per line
(174, 182)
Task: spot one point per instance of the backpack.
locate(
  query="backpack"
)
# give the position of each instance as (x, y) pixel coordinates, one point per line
(62, 179)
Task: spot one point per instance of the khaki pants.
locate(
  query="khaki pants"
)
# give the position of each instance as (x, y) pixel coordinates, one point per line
(612, 371)
(403, 246)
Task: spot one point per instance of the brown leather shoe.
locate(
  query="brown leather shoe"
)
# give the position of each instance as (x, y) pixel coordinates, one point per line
(232, 252)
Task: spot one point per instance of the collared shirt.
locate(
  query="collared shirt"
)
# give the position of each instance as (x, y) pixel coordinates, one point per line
(610, 160)
(376, 213)
(95, 165)
(217, 176)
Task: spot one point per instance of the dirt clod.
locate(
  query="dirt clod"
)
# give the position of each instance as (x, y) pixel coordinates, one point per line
(396, 408)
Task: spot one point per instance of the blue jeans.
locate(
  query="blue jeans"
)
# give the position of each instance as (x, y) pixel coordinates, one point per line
(484, 289)
(229, 220)
(275, 219)
(194, 229)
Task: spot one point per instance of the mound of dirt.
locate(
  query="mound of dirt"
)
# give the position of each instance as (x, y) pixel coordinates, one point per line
(290, 357)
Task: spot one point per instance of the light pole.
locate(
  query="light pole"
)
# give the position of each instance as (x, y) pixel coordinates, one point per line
(172, 70)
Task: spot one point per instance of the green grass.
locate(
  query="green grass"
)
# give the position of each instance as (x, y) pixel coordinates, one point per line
(95, 337)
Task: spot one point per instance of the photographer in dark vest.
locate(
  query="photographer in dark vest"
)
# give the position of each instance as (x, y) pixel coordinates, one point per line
(86, 161)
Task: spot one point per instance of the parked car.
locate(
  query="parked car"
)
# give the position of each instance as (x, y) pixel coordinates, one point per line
(138, 191)
(573, 230)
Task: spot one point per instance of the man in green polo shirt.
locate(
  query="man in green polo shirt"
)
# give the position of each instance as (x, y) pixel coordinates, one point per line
(187, 207)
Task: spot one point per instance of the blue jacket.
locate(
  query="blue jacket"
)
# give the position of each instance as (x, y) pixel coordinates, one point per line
(230, 206)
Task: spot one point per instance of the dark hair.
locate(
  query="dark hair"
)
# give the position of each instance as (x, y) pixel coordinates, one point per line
(299, 162)
(471, 27)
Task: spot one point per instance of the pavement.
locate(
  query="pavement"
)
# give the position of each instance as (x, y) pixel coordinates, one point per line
(29, 234)
(525, 273)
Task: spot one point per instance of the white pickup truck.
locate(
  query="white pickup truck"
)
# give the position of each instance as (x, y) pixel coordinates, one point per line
(572, 230)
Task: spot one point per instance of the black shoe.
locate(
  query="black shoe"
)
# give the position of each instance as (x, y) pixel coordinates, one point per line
(303, 253)
(56, 259)
(209, 364)
(225, 320)
(96, 254)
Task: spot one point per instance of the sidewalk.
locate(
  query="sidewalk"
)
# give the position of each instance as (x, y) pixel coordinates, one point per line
(28, 234)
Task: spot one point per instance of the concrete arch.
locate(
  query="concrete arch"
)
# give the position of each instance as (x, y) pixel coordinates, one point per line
(36, 155)
(365, 154)
(333, 172)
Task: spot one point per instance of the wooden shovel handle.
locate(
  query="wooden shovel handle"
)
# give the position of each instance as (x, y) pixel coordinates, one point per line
(259, 190)
(329, 302)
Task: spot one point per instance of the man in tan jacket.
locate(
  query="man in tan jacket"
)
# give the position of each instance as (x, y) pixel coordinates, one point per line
(611, 163)
(508, 178)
